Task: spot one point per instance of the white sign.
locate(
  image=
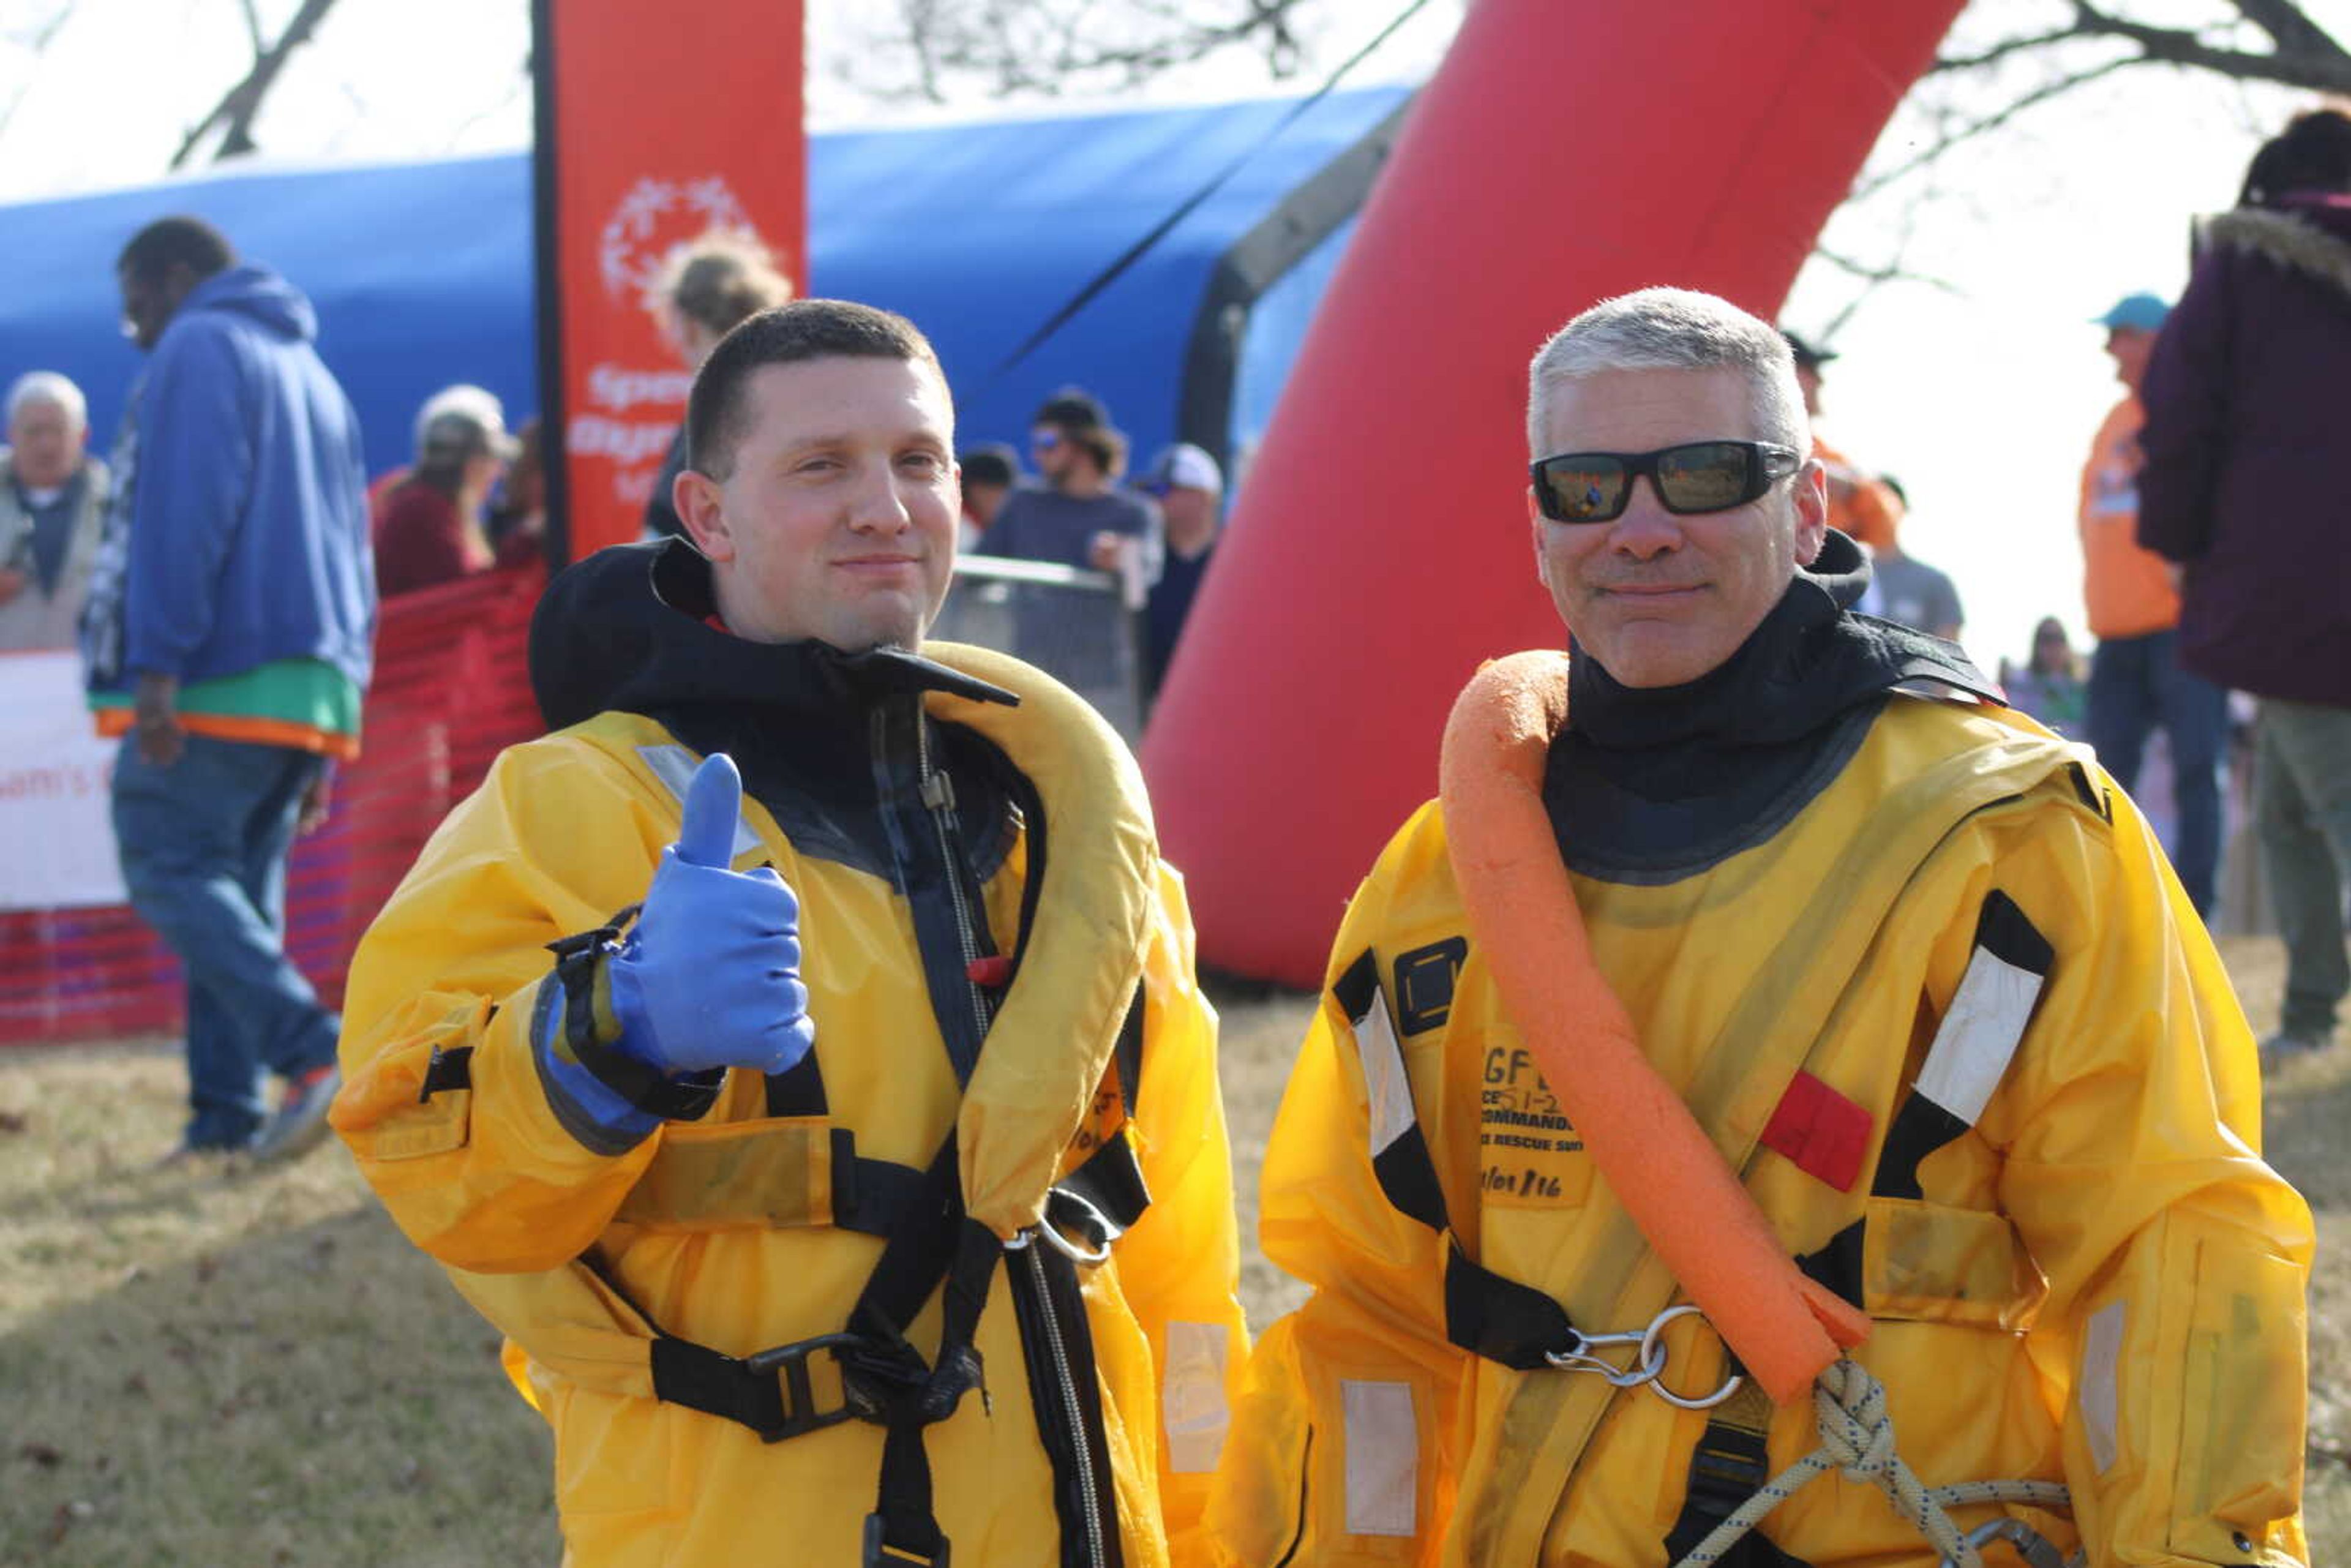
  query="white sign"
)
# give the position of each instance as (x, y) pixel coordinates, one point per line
(56, 834)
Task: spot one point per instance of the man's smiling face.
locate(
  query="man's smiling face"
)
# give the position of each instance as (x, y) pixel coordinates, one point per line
(1660, 598)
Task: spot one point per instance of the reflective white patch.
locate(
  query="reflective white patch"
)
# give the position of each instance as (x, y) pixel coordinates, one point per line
(2102, 1349)
(674, 766)
(1979, 1034)
(1384, 1083)
(1192, 1397)
(1383, 1456)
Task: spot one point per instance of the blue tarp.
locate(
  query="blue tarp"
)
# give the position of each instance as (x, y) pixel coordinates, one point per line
(422, 272)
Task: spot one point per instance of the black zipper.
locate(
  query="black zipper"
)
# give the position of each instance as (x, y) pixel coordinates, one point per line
(937, 792)
(1058, 1345)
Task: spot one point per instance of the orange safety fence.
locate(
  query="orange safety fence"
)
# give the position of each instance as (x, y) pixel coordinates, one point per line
(452, 687)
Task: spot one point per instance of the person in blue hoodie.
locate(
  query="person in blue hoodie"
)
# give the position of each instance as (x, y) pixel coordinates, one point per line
(228, 633)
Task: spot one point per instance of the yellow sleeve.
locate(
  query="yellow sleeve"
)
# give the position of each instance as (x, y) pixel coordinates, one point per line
(1179, 1268)
(2177, 1260)
(1341, 1444)
(487, 1178)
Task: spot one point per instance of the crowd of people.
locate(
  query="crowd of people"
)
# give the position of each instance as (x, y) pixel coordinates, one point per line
(2222, 417)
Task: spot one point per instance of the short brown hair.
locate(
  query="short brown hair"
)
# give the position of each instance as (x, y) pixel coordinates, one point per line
(789, 334)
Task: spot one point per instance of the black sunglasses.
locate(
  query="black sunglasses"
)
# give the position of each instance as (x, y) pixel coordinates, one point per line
(1695, 476)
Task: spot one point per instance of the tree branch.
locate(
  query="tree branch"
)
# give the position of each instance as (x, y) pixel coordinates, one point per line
(2319, 68)
(1016, 49)
(237, 110)
(2288, 26)
(1945, 141)
(1999, 51)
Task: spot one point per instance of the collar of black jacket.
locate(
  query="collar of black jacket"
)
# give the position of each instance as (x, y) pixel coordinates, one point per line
(628, 628)
(1810, 660)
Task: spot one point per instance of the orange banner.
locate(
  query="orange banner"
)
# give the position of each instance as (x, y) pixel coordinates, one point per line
(656, 123)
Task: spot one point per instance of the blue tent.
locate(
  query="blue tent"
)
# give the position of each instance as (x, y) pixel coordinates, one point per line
(980, 232)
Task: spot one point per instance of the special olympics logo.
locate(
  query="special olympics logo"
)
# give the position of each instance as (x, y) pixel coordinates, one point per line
(657, 215)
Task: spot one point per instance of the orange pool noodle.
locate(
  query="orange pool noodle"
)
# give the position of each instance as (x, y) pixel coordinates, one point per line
(1663, 1169)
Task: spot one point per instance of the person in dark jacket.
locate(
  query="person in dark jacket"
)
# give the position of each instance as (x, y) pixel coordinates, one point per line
(228, 635)
(2246, 425)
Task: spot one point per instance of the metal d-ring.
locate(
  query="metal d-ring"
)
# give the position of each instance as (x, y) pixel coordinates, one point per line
(1647, 1367)
(1091, 1215)
(1653, 1338)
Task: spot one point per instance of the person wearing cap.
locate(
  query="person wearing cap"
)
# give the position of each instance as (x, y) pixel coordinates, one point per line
(429, 526)
(229, 635)
(1080, 516)
(1765, 1045)
(2137, 684)
(1190, 490)
(2247, 426)
(1861, 507)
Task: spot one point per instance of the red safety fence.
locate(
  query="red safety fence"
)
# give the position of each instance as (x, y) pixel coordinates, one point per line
(452, 687)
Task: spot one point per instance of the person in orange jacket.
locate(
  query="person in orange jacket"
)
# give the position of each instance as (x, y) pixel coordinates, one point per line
(2136, 682)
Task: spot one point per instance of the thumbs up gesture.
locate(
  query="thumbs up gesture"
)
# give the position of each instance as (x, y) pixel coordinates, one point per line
(709, 977)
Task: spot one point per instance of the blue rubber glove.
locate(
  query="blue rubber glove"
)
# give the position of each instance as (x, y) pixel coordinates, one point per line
(709, 975)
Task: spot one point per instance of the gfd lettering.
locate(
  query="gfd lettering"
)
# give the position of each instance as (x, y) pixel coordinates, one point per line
(1513, 1080)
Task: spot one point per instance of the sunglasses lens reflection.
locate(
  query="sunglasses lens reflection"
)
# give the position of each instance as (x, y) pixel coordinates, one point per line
(1584, 489)
(1705, 476)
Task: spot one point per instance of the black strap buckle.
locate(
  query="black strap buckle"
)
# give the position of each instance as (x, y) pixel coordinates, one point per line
(800, 1412)
(880, 1553)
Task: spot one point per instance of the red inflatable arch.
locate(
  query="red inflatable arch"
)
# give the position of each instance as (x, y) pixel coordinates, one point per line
(1564, 153)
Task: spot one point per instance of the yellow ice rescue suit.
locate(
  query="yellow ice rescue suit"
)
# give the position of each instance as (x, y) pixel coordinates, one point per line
(882, 1304)
(1931, 988)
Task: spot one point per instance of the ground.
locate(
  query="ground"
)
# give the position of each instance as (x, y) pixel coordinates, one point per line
(218, 1367)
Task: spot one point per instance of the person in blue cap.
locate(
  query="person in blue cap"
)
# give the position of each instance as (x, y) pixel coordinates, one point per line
(2137, 684)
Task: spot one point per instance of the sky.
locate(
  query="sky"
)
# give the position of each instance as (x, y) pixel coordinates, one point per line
(1979, 391)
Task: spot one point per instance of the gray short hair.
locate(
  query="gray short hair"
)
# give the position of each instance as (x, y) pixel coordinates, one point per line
(48, 387)
(1673, 329)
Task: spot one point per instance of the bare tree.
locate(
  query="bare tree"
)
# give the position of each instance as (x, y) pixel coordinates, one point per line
(2088, 43)
(2003, 62)
(949, 51)
(239, 107)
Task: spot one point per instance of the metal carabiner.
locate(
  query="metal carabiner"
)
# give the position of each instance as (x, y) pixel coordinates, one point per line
(1647, 1367)
(2030, 1543)
(1651, 1362)
(1651, 1338)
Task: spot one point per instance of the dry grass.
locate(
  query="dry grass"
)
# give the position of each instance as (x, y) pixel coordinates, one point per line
(208, 1366)
(229, 1367)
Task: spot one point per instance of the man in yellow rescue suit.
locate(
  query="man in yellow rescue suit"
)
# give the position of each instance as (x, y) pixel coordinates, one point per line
(864, 1193)
(1909, 967)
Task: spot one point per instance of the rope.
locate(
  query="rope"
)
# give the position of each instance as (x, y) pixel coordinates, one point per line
(1857, 1439)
